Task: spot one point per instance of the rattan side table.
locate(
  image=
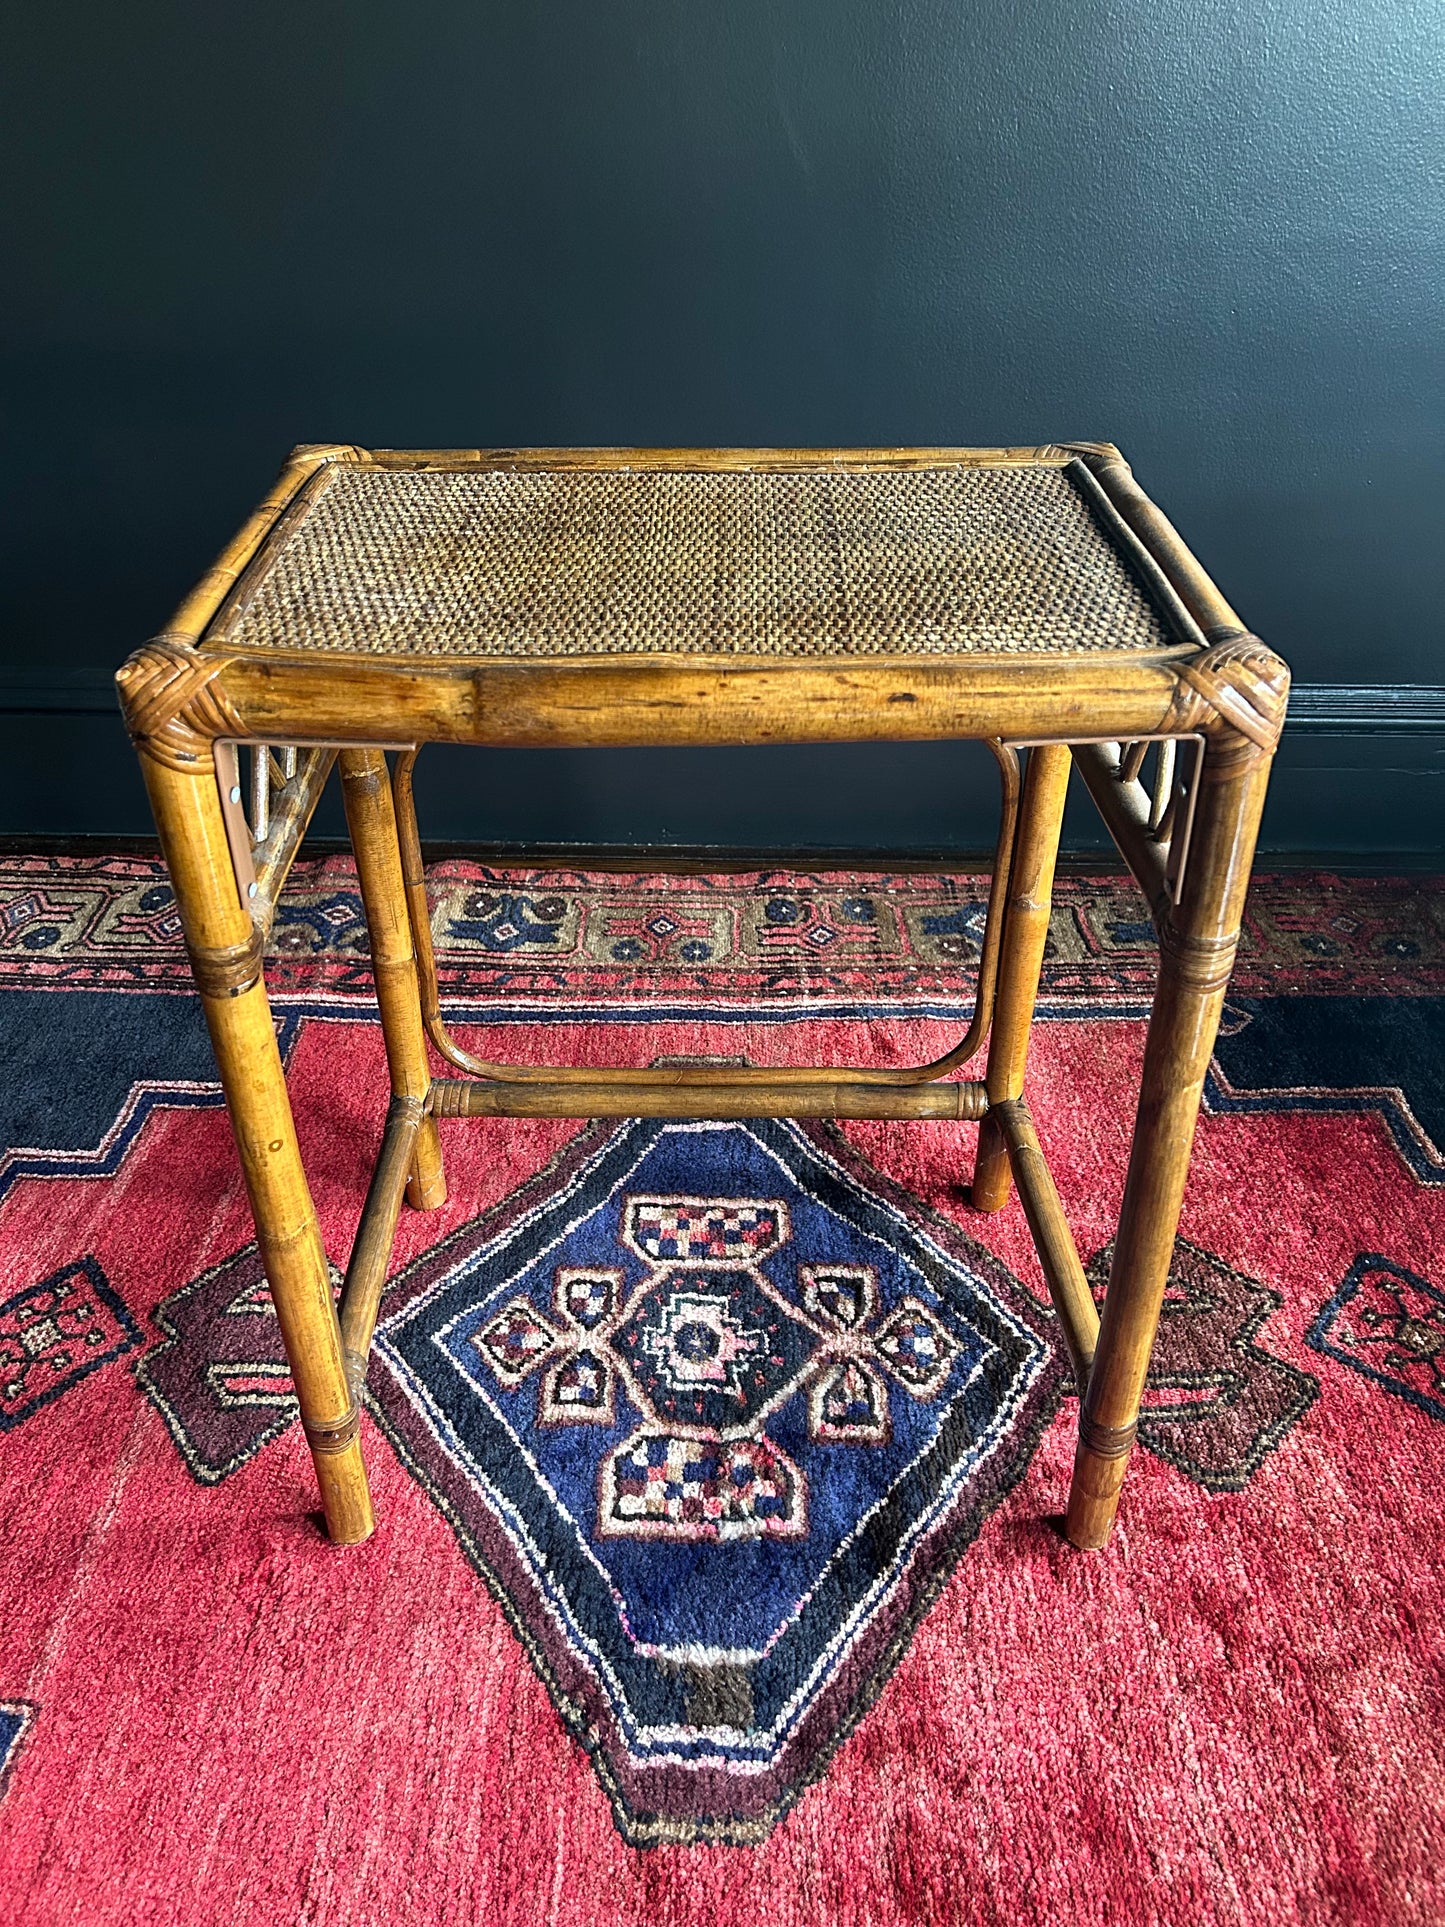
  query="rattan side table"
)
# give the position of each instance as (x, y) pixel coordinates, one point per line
(1032, 598)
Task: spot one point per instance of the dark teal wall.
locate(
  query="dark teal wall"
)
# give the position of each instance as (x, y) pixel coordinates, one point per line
(1214, 233)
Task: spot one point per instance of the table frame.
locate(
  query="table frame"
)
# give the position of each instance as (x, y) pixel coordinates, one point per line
(190, 699)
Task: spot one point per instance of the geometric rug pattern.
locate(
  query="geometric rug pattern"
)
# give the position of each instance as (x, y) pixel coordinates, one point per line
(714, 1405)
(718, 1466)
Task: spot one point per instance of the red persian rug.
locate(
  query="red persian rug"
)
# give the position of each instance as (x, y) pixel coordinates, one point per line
(718, 1467)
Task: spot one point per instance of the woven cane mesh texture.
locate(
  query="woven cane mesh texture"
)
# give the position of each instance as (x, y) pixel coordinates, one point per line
(588, 562)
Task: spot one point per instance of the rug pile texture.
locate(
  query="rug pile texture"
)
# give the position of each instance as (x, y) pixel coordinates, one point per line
(718, 1467)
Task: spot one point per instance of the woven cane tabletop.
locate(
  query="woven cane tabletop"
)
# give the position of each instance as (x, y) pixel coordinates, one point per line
(1019, 558)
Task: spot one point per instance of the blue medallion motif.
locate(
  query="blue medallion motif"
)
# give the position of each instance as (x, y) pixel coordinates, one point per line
(702, 1405)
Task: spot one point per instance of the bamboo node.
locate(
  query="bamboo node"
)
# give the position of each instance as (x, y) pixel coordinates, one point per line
(335, 1437)
(1238, 689)
(227, 969)
(1106, 1441)
(173, 707)
(1204, 964)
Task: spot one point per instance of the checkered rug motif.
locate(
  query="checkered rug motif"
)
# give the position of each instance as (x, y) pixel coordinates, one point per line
(718, 1466)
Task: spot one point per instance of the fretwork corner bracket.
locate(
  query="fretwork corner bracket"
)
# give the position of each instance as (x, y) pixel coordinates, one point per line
(173, 708)
(1235, 693)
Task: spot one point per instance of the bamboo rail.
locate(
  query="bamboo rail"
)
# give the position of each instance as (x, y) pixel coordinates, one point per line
(1068, 1287)
(722, 1093)
(225, 951)
(1026, 932)
(1197, 942)
(371, 820)
(635, 702)
(375, 1235)
(1163, 543)
(723, 1078)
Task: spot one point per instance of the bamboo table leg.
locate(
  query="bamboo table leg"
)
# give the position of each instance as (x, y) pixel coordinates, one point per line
(1197, 946)
(225, 951)
(371, 819)
(1026, 929)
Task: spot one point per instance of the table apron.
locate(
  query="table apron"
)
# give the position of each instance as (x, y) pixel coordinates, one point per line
(632, 704)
